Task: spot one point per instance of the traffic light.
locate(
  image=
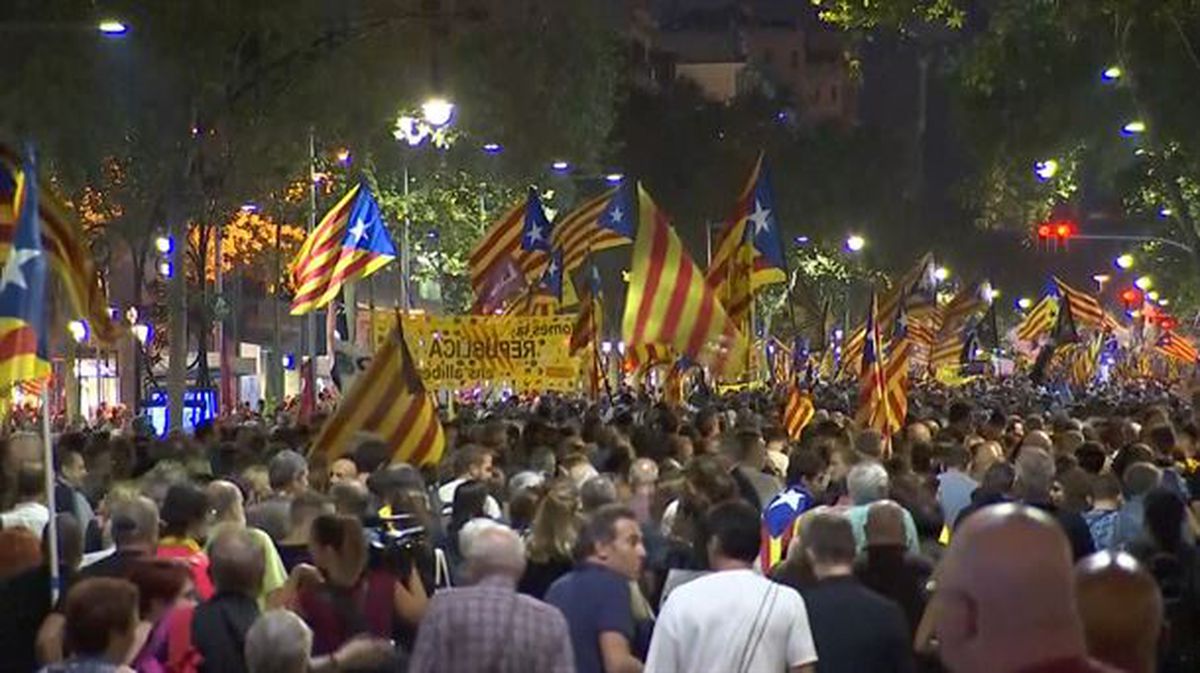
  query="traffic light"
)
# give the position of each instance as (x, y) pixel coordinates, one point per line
(1057, 231)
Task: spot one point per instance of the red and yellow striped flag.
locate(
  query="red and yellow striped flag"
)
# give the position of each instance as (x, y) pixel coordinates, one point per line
(65, 244)
(798, 412)
(1175, 346)
(670, 303)
(1085, 308)
(519, 240)
(351, 242)
(873, 409)
(1039, 320)
(388, 400)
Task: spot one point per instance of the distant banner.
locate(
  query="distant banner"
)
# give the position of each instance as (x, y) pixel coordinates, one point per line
(457, 352)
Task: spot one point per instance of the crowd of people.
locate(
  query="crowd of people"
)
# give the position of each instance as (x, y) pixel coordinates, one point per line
(1002, 529)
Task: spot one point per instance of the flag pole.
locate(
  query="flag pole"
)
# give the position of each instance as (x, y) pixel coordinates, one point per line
(52, 524)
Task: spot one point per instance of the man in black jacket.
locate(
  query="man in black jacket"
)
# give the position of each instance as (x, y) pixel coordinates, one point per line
(855, 629)
(220, 624)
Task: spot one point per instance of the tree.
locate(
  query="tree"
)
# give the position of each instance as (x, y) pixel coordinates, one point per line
(208, 107)
(1028, 84)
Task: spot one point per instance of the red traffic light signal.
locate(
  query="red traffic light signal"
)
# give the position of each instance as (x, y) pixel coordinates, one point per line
(1060, 230)
(1131, 297)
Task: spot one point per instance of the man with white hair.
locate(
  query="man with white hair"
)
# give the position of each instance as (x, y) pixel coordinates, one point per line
(280, 642)
(866, 483)
(488, 625)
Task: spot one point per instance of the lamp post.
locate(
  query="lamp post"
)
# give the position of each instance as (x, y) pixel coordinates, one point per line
(436, 114)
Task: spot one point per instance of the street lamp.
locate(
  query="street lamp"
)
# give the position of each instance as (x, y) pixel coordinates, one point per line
(1101, 279)
(1144, 283)
(1024, 303)
(493, 148)
(1112, 73)
(142, 332)
(1045, 169)
(941, 274)
(1124, 262)
(79, 330)
(614, 178)
(1134, 127)
(437, 112)
(164, 244)
(112, 28)
(561, 166)
(855, 243)
(1152, 295)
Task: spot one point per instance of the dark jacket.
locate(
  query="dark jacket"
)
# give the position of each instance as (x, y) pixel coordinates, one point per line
(219, 631)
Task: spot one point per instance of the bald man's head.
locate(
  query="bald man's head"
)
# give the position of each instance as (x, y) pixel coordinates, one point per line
(225, 500)
(236, 562)
(885, 524)
(1005, 598)
(1121, 608)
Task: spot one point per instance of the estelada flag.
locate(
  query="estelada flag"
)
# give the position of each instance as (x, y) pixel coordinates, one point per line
(520, 239)
(669, 302)
(23, 291)
(65, 245)
(387, 400)
(350, 243)
(600, 223)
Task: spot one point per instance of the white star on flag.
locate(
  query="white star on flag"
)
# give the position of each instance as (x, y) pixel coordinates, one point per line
(553, 269)
(13, 273)
(616, 215)
(789, 497)
(761, 217)
(535, 234)
(358, 231)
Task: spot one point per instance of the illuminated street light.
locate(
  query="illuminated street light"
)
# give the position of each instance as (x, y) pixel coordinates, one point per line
(1046, 169)
(1164, 302)
(561, 166)
(1112, 73)
(993, 294)
(493, 148)
(164, 244)
(131, 314)
(1125, 261)
(941, 274)
(1101, 279)
(79, 330)
(1152, 295)
(343, 156)
(1134, 127)
(437, 112)
(1144, 283)
(1024, 303)
(1165, 212)
(614, 178)
(855, 243)
(142, 332)
(112, 28)
(165, 269)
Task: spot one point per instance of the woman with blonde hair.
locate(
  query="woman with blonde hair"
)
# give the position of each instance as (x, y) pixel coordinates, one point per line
(551, 540)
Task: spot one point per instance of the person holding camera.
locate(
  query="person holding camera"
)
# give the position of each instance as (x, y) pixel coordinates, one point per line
(341, 597)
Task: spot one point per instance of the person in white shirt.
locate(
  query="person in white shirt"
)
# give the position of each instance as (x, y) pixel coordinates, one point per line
(30, 511)
(474, 463)
(733, 619)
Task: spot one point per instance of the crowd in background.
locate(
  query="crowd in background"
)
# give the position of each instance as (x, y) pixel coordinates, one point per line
(1002, 529)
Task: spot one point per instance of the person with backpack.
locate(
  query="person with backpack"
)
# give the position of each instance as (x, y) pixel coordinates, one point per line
(1175, 565)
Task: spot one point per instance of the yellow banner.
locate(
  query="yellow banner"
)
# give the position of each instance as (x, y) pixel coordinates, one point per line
(529, 354)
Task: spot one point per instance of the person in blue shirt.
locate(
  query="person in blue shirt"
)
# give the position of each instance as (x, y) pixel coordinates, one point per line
(596, 598)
